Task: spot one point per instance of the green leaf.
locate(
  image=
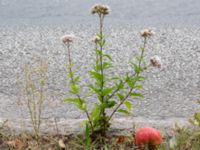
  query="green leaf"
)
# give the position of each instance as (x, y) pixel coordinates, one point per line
(69, 66)
(121, 85)
(96, 90)
(137, 95)
(87, 135)
(123, 111)
(142, 48)
(73, 100)
(107, 56)
(138, 86)
(128, 105)
(110, 104)
(138, 78)
(76, 79)
(106, 91)
(197, 118)
(136, 68)
(74, 89)
(106, 65)
(98, 52)
(96, 75)
(115, 78)
(131, 84)
(97, 67)
(139, 58)
(120, 96)
(70, 74)
(95, 114)
(83, 106)
(102, 42)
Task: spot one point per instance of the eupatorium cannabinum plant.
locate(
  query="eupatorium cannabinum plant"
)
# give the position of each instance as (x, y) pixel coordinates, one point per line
(112, 92)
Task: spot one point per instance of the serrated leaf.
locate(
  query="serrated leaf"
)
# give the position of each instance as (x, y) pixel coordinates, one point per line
(137, 95)
(123, 111)
(128, 105)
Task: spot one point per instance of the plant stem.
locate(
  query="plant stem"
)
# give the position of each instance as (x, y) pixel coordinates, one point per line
(131, 89)
(104, 121)
(73, 82)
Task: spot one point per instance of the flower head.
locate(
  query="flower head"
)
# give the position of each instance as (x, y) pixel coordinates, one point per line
(66, 39)
(145, 136)
(147, 33)
(100, 9)
(95, 39)
(156, 61)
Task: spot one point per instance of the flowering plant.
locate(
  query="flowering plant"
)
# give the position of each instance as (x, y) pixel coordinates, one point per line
(110, 96)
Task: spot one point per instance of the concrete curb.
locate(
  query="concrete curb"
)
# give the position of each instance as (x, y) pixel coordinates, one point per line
(76, 126)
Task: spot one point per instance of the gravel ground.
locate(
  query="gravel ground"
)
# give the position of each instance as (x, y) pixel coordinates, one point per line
(169, 92)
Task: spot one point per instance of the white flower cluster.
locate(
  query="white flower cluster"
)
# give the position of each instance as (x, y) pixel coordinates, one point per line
(100, 9)
(66, 39)
(147, 33)
(156, 61)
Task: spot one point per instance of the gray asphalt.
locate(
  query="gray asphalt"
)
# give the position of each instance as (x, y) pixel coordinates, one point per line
(31, 29)
(147, 12)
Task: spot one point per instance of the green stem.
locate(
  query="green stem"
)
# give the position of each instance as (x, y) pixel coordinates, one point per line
(73, 82)
(131, 89)
(104, 121)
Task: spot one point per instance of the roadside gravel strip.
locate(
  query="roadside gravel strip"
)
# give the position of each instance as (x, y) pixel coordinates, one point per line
(119, 125)
(171, 92)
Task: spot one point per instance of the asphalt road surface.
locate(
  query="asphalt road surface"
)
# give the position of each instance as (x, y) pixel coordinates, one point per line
(31, 29)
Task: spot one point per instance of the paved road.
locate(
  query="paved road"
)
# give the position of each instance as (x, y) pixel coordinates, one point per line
(150, 12)
(171, 92)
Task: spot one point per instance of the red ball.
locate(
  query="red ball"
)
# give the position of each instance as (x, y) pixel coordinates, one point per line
(148, 136)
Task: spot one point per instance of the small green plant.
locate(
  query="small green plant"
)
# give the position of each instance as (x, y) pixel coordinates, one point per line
(34, 93)
(185, 138)
(112, 92)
